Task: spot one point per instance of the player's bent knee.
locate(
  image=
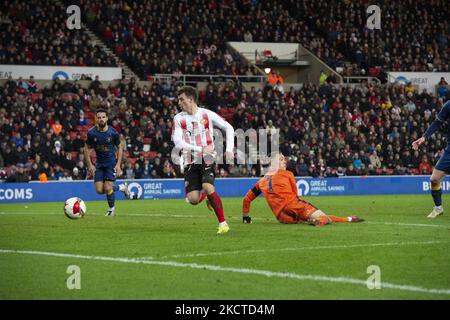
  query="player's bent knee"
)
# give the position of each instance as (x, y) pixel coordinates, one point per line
(286, 219)
(193, 200)
(317, 214)
(435, 180)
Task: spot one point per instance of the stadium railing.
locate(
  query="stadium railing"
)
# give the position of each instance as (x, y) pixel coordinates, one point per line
(194, 78)
(352, 80)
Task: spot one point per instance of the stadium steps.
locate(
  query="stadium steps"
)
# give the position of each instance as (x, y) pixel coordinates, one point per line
(126, 70)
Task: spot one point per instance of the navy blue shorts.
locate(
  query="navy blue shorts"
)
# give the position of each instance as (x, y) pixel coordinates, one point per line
(444, 162)
(103, 173)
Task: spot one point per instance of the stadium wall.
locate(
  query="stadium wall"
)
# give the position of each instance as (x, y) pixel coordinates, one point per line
(423, 80)
(60, 72)
(228, 187)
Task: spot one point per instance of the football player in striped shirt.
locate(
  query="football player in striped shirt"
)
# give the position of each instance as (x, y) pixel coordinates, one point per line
(193, 133)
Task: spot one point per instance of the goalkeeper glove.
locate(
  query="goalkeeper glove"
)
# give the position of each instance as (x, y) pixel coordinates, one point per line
(246, 219)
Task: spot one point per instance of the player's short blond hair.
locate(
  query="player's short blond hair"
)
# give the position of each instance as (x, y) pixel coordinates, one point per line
(275, 158)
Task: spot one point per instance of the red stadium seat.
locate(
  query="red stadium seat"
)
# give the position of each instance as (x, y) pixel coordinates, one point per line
(149, 154)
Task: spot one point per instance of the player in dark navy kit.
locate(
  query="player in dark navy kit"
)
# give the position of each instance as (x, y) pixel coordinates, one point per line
(105, 141)
(442, 167)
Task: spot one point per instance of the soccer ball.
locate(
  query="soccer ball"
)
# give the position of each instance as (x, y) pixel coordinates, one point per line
(74, 208)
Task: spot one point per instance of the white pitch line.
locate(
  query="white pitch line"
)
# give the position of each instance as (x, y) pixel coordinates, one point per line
(160, 215)
(237, 252)
(410, 224)
(157, 215)
(266, 273)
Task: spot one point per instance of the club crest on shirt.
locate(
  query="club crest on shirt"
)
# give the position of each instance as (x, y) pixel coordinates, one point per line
(108, 140)
(204, 122)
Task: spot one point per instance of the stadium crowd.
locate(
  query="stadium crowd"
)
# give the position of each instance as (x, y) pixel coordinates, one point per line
(191, 36)
(413, 35)
(34, 32)
(327, 130)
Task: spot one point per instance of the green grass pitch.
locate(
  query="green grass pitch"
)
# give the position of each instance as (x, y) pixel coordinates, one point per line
(168, 249)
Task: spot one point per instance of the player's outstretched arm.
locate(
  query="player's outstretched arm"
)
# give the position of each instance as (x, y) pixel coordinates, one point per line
(443, 115)
(246, 203)
(416, 144)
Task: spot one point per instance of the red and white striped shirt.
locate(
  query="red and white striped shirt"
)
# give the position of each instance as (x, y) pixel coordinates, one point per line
(193, 132)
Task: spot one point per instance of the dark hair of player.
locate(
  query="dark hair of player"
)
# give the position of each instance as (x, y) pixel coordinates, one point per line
(100, 110)
(190, 92)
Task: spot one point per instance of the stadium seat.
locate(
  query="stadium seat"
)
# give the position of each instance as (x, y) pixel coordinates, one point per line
(149, 154)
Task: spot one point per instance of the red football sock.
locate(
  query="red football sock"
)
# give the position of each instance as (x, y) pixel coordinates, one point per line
(216, 203)
(202, 197)
(337, 219)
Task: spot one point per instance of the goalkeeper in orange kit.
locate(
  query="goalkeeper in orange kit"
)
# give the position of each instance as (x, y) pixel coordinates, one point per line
(280, 190)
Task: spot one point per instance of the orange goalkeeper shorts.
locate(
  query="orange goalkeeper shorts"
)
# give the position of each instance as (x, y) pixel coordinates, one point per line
(296, 212)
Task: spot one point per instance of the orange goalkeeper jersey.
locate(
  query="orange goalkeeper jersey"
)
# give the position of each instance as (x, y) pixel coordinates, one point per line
(279, 189)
